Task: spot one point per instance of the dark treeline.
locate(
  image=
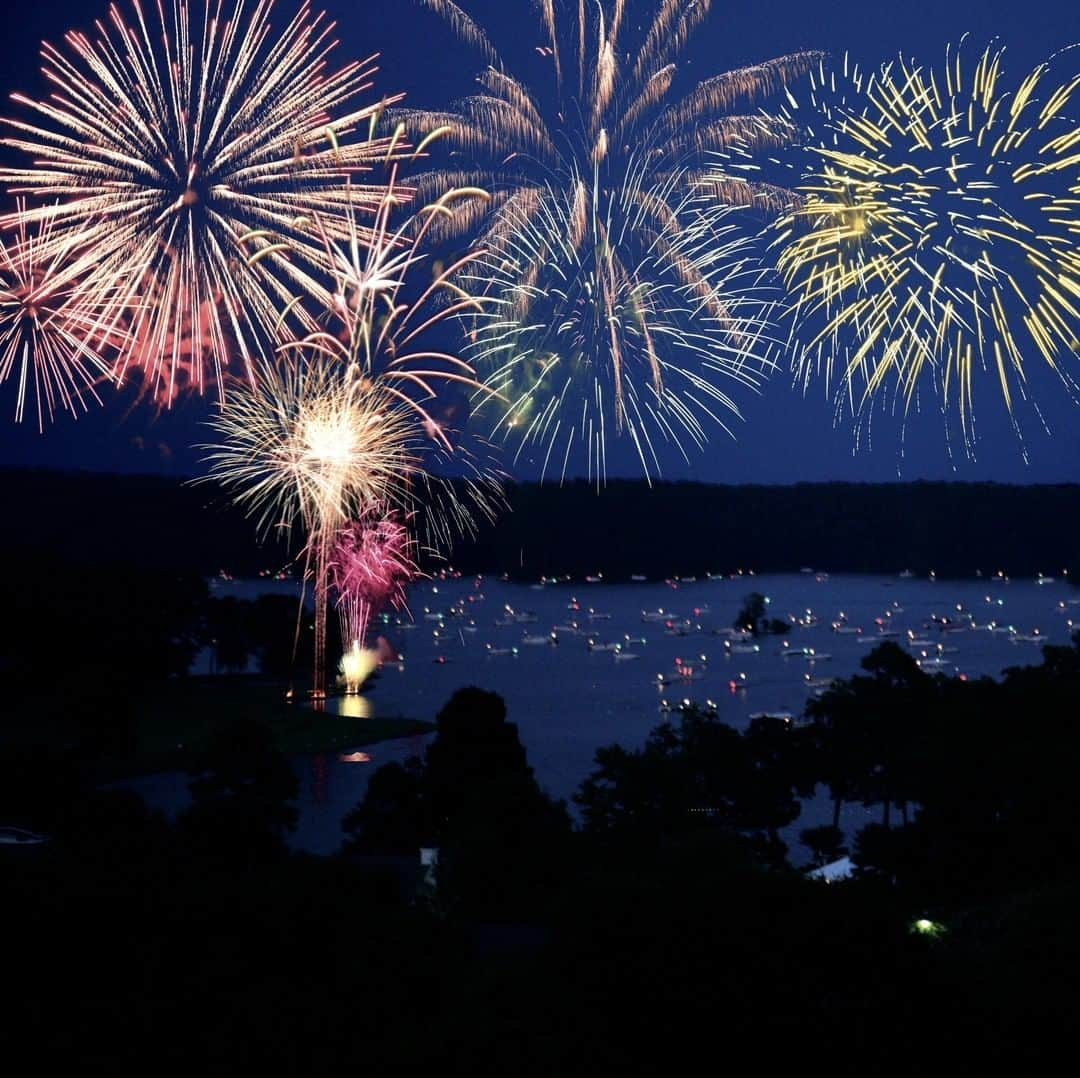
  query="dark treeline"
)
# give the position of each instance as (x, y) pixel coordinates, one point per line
(692, 529)
(116, 625)
(139, 521)
(669, 529)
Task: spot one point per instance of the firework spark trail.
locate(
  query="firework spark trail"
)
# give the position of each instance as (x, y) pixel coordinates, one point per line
(934, 243)
(610, 317)
(53, 322)
(381, 325)
(370, 566)
(192, 150)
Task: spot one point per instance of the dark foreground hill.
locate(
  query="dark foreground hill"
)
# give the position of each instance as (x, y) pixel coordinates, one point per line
(675, 528)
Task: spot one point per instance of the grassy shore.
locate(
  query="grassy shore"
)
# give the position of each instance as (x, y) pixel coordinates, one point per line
(173, 720)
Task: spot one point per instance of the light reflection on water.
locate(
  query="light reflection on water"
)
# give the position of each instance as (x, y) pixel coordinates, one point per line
(351, 706)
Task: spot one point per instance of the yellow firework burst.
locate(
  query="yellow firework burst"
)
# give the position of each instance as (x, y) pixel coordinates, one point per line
(934, 242)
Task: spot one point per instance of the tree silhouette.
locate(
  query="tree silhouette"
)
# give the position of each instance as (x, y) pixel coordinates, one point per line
(394, 816)
(871, 728)
(826, 843)
(500, 837)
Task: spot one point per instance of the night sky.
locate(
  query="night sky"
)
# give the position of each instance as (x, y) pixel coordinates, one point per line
(785, 437)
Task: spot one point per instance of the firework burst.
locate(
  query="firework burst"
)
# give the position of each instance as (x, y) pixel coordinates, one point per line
(356, 666)
(577, 340)
(370, 566)
(934, 242)
(52, 309)
(311, 446)
(192, 149)
(622, 295)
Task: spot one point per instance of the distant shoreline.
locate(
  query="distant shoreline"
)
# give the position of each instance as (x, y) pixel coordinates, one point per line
(678, 528)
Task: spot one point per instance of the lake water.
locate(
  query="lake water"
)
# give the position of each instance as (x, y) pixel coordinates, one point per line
(568, 699)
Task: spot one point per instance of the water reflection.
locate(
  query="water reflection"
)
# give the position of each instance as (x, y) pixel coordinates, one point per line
(351, 706)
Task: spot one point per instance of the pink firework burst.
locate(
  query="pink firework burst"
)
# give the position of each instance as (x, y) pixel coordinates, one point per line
(192, 147)
(369, 568)
(53, 333)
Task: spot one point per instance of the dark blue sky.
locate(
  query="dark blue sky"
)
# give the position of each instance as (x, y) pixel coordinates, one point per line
(785, 437)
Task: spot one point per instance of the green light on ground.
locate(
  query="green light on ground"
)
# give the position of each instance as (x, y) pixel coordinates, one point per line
(925, 927)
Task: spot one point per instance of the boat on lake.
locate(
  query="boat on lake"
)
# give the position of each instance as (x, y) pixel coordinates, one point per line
(933, 663)
(533, 639)
(780, 716)
(655, 615)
